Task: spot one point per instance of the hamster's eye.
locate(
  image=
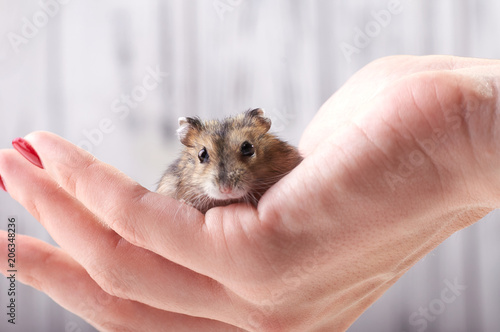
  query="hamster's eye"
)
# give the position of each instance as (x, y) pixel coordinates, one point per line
(203, 155)
(247, 149)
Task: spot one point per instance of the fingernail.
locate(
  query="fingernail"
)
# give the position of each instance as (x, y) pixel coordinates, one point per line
(2, 185)
(23, 147)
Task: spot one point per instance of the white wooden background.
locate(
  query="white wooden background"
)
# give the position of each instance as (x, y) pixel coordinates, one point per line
(69, 71)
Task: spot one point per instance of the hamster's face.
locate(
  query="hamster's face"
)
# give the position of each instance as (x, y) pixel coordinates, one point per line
(224, 160)
(224, 155)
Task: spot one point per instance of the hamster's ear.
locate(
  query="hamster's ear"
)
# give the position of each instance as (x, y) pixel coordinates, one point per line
(256, 116)
(188, 129)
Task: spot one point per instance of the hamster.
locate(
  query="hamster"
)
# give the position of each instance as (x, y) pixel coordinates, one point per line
(225, 162)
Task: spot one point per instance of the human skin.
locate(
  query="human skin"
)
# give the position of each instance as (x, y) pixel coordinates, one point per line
(405, 154)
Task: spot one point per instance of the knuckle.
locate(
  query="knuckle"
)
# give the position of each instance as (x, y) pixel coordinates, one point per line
(119, 218)
(95, 306)
(36, 204)
(113, 273)
(111, 281)
(73, 176)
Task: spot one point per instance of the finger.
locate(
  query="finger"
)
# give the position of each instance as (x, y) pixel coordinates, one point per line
(155, 222)
(116, 265)
(117, 200)
(55, 273)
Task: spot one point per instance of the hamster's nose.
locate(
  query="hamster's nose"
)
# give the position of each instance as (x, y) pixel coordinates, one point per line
(225, 189)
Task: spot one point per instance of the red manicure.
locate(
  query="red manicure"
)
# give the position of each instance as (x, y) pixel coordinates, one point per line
(1, 184)
(23, 147)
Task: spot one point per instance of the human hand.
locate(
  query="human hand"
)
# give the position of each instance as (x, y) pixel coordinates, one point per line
(397, 160)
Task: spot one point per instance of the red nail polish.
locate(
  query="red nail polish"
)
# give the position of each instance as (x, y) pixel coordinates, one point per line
(24, 147)
(1, 184)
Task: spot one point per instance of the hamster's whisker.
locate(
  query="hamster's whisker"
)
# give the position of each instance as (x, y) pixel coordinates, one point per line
(251, 199)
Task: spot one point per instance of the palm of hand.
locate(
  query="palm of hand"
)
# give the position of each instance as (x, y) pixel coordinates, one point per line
(405, 145)
(397, 160)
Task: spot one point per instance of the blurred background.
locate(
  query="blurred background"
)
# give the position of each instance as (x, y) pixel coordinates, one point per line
(113, 77)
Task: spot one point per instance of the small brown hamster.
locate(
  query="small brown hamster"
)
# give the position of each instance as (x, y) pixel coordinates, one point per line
(229, 161)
